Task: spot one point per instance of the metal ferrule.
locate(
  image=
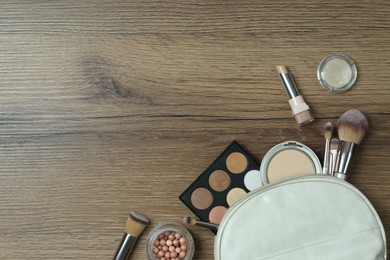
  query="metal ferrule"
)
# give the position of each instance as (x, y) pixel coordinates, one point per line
(124, 249)
(344, 157)
(325, 167)
(289, 85)
(332, 161)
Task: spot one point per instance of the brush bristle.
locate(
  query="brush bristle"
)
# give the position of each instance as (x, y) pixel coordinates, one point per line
(189, 220)
(281, 69)
(136, 223)
(328, 129)
(352, 126)
(334, 144)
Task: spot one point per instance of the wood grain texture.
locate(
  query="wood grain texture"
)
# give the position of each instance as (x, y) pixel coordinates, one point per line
(112, 106)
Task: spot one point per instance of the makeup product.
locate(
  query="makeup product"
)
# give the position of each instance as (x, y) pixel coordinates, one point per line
(328, 129)
(232, 175)
(170, 241)
(300, 110)
(136, 223)
(193, 221)
(337, 73)
(352, 127)
(334, 146)
(288, 159)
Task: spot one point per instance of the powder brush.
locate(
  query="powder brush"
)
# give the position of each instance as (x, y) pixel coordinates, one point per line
(136, 223)
(352, 127)
(193, 221)
(328, 129)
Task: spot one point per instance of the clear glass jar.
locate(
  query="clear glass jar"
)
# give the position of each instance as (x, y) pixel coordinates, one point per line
(164, 229)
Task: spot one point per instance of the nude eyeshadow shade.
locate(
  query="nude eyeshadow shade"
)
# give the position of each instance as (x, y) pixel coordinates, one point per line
(216, 214)
(219, 180)
(234, 195)
(230, 177)
(201, 198)
(236, 162)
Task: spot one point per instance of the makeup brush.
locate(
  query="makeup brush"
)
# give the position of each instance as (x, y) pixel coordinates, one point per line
(328, 129)
(352, 126)
(334, 146)
(136, 223)
(193, 221)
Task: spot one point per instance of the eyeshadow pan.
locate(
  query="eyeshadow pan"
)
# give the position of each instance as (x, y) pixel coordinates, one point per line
(252, 180)
(236, 162)
(219, 180)
(201, 198)
(234, 195)
(216, 214)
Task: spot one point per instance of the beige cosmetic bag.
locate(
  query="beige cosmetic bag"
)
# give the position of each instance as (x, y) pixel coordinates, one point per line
(305, 218)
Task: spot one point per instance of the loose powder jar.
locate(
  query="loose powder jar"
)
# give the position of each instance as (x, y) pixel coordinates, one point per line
(170, 240)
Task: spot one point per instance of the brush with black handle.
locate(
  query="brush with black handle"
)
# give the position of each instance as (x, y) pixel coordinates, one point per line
(193, 221)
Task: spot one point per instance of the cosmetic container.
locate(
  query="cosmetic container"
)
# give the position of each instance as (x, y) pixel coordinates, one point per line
(300, 110)
(169, 228)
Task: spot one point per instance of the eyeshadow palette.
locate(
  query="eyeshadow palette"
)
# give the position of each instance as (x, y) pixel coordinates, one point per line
(232, 175)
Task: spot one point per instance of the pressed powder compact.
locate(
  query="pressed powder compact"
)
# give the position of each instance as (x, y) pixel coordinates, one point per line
(337, 73)
(288, 159)
(232, 175)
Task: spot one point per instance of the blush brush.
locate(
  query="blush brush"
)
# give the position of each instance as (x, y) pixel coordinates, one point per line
(352, 127)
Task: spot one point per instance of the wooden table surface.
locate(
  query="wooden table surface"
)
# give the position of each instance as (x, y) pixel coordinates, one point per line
(113, 106)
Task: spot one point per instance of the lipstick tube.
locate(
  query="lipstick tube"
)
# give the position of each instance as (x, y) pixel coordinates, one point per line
(300, 110)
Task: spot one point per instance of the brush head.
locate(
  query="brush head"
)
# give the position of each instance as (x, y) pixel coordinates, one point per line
(189, 220)
(334, 144)
(136, 223)
(281, 69)
(352, 126)
(328, 129)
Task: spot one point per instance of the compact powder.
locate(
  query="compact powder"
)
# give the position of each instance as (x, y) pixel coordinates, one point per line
(288, 163)
(216, 214)
(288, 159)
(234, 195)
(201, 198)
(252, 180)
(337, 73)
(236, 162)
(219, 180)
